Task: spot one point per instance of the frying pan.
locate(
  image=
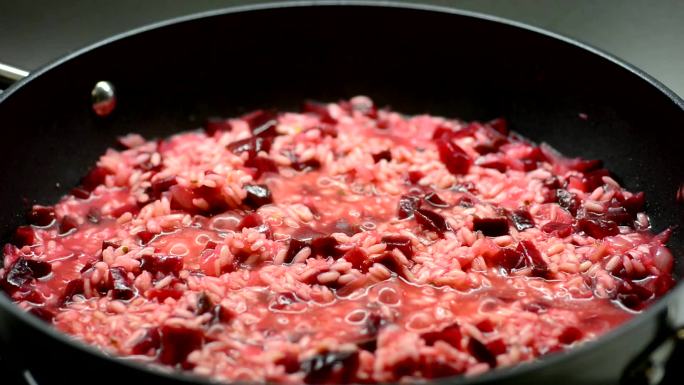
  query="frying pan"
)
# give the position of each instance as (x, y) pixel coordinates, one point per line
(170, 76)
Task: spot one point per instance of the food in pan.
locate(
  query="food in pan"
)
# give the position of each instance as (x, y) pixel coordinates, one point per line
(342, 244)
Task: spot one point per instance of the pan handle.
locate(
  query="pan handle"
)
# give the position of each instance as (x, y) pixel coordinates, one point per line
(10, 74)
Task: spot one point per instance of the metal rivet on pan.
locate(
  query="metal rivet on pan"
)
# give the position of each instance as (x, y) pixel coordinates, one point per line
(104, 98)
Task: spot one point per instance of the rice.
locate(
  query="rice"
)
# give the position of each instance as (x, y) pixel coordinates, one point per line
(342, 244)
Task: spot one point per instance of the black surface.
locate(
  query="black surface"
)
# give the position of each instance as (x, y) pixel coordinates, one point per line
(415, 61)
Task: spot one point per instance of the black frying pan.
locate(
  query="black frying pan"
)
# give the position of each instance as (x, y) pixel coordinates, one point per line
(170, 76)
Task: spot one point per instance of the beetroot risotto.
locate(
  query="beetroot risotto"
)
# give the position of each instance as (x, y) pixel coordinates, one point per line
(343, 244)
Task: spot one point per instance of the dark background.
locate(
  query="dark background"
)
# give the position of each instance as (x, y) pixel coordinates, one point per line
(648, 34)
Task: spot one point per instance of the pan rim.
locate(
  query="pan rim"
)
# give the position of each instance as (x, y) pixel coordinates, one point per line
(491, 376)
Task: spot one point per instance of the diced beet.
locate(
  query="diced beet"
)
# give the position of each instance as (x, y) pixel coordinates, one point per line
(165, 264)
(386, 259)
(306, 166)
(496, 346)
(635, 204)
(89, 265)
(500, 125)
(415, 176)
(431, 221)
(24, 236)
(481, 352)
(491, 227)
(177, 342)
(486, 325)
(160, 186)
(262, 165)
(145, 236)
(407, 206)
(568, 201)
(149, 340)
(254, 221)
(330, 367)
(435, 200)
(536, 307)
(386, 155)
(493, 164)
(80, 193)
(262, 122)
(257, 196)
(94, 215)
(252, 146)
(41, 215)
(204, 303)
(594, 179)
(67, 224)
(448, 133)
(400, 242)
(294, 247)
(215, 124)
(558, 229)
(598, 228)
(319, 109)
(522, 219)
(533, 258)
(510, 259)
(132, 208)
(73, 287)
(583, 165)
(454, 158)
(120, 284)
(216, 202)
(95, 177)
(221, 314)
(163, 293)
(289, 361)
(619, 215)
(435, 367)
(23, 271)
(450, 334)
(42, 313)
(356, 257)
(569, 335)
(325, 246)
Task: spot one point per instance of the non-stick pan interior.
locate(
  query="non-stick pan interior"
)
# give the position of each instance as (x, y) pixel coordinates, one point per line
(170, 79)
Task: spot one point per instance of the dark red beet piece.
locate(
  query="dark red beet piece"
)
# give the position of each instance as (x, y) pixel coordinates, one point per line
(486, 325)
(262, 122)
(132, 208)
(95, 177)
(583, 165)
(386, 155)
(160, 186)
(252, 146)
(510, 259)
(120, 284)
(24, 236)
(325, 246)
(500, 125)
(386, 259)
(435, 200)
(635, 204)
(533, 258)
(42, 313)
(407, 206)
(23, 271)
(214, 124)
(330, 367)
(257, 196)
(497, 346)
(254, 221)
(288, 361)
(558, 229)
(73, 287)
(454, 158)
(598, 228)
(145, 236)
(568, 201)
(494, 164)
(149, 340)
(491, 227)
(261, 165)
(165, 264)
(80, 193)
(594, 179)
(431, 221)
(293, 248)
(415, 176)
(619, 215)
(306, 166)
(481, 352)
(41, 215)
(522, 220)
(450, 334)
(319, 109)
(569, 335)
(204, 303)
(67, 224)
(356, 257)
(161, 294)
(400, 242)
(177, 342)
